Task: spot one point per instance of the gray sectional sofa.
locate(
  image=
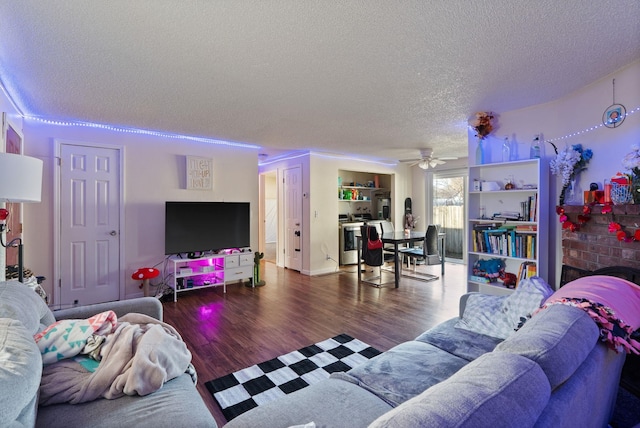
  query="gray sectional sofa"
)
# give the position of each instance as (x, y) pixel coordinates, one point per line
(22, 314)
(552, 372)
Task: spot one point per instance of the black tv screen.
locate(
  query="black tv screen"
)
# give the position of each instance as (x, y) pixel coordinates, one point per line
(192, 227)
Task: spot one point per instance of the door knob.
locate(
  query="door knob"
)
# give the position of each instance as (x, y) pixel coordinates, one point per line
(113, 233)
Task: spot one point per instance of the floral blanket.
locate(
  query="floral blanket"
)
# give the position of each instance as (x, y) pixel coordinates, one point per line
(613, 303)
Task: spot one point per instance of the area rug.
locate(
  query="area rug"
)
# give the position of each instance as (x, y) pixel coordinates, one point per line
(257, 385)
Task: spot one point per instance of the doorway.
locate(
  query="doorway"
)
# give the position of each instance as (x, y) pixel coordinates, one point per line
(88, 224)
(270, 216)
(448, 210)
(293, 218)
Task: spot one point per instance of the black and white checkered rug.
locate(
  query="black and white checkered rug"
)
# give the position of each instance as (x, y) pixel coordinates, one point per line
(259, 384)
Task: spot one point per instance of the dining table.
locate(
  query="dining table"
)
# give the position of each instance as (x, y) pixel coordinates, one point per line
(396, 238)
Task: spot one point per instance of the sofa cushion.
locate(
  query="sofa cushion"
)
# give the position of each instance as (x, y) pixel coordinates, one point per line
(558, 338)
(404, 371)
(20, 303)
(176, 404)
(496, 390)
(328, 403)
(20, 370)
(501, 316)
(459, 342)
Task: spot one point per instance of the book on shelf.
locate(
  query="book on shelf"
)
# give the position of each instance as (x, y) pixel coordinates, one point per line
(522, 228)
(526, 270)
(476, 278)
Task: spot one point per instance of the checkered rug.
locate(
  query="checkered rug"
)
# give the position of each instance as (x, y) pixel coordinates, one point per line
(259, 384)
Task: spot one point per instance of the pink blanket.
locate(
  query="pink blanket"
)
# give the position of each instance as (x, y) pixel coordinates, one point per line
(613, 303)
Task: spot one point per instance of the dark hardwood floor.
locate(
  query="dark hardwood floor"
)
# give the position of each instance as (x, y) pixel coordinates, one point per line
(245, 326)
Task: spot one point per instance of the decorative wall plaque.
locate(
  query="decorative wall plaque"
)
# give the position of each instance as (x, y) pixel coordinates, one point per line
(199, 173)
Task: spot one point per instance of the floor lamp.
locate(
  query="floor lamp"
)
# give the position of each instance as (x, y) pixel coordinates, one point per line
(20, 181)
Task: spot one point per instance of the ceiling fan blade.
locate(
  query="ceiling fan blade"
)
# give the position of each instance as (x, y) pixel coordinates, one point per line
(411, 162)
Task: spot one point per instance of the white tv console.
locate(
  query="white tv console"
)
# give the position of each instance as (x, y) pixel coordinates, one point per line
(210, 271)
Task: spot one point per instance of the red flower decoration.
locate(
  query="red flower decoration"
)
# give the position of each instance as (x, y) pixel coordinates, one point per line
(613, 227)
(583, 219)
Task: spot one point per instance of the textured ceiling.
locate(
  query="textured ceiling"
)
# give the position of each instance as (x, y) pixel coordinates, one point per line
(380, 78)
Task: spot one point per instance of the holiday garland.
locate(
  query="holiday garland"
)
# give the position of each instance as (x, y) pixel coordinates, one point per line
(614, 226)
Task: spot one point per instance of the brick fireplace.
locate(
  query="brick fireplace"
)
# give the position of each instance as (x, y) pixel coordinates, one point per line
(593, 247)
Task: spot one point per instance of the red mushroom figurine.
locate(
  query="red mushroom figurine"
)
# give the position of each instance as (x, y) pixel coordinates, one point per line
(145, 274)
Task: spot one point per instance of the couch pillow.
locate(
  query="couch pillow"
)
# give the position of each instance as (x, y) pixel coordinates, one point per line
(501, 316)
(558, 338)
(496, 390)
(20, 370)
(21, 303)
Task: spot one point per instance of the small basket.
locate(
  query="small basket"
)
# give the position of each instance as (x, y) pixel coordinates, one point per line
(621, 194)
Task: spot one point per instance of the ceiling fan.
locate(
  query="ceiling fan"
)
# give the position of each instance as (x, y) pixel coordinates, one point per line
(426, 160)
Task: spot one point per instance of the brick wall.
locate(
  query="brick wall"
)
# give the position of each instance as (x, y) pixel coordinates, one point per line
(593, 247)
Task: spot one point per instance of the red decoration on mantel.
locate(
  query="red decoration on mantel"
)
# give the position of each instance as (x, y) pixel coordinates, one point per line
(614, 226)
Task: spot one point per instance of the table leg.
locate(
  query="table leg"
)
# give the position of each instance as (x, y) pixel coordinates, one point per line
(396, 263)
(358, 247)
(442, 242)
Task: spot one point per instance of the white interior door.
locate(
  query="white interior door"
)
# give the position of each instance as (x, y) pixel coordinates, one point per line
(293, 218)
(89, 224)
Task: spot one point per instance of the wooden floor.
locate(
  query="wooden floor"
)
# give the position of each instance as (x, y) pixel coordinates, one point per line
(245, 326)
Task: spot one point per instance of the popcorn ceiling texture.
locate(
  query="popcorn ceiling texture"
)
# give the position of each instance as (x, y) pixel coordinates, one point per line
(382, 78)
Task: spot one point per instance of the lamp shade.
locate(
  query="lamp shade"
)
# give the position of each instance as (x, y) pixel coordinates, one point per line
(20, 178)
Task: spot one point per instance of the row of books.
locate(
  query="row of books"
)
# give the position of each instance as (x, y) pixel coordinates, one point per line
(506, 240)
(526, 270)
(529, 208)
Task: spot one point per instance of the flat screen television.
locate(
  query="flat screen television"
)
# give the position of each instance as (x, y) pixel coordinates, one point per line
(193, 227)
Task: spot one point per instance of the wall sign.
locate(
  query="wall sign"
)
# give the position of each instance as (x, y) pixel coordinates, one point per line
(199, 173)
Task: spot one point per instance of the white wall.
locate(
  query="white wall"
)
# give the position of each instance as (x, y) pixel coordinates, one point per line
(153, 174)
(579, 111)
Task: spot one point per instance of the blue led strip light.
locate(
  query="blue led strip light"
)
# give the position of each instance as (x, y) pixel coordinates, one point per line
(141, 132)
(584, 131)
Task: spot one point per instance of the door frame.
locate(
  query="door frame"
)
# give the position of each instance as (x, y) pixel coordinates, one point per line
(58, 143)
(450, 173)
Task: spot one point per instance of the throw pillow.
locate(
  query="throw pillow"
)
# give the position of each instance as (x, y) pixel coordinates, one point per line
(501, 316)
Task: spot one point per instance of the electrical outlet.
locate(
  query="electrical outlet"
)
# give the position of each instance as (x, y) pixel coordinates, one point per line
(328, 257)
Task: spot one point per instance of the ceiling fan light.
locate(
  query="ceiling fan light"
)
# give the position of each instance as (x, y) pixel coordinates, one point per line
(423, 164)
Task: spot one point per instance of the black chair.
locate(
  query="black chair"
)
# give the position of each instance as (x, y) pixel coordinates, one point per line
(427, 252)
(373, 258)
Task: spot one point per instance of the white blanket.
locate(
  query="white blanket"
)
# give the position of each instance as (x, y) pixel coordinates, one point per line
(137, 358)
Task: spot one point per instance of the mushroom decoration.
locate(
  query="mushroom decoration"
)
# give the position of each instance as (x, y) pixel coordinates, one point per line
(145, 274)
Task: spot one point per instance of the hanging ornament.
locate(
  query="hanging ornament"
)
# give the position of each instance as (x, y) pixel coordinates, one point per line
(614, 115)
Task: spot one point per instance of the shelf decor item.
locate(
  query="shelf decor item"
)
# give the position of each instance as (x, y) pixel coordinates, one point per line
(631, 162)
(621, 194)
(481, 124)
(567, 164)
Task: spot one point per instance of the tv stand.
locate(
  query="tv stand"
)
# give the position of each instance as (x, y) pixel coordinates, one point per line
(211, 270)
